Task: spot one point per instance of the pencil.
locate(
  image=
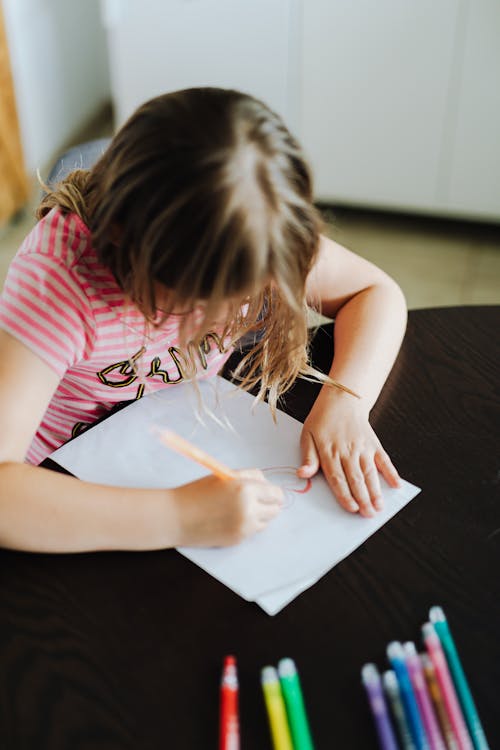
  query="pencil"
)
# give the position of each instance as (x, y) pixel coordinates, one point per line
(185, 448)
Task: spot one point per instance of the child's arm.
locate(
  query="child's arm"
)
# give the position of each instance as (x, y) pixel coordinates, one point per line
(370, 320)
(43, 511)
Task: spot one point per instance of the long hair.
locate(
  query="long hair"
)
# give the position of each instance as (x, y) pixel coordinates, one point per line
(205, 193)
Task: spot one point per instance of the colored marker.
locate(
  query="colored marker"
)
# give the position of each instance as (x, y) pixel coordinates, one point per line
(373, 686)
(438, 702)
(229, 738)
(276, 712)
(438, 659)
(396, 657)
(438, 619)
(417, 678)
(391, 687)
(294, 702)
(184, 447)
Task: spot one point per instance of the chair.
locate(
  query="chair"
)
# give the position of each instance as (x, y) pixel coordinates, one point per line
(83, 156)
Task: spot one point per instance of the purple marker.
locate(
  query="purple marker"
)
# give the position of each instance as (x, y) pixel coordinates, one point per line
(373, 686)
(417, 678)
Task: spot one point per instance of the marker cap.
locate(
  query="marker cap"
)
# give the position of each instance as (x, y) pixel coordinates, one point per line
(429, 632)
(370, 674)
(390, 681)
(436, 614)
(269, 675)
(409, 649)
(287, 668)
(395, 650)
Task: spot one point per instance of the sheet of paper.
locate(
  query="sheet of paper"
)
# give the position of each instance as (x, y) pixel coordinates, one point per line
(310, 536)
(275, 601)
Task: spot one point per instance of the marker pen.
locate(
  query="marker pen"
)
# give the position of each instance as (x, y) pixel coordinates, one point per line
(391, 687)
(438, 659)
(438, 703)
(295, 708)
(417, 678)
(438, 619)
(276, 712)
(371, 680)
(396, 657)
(229, 738)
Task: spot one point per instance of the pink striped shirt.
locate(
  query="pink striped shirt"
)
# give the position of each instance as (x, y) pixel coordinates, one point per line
(65, 306)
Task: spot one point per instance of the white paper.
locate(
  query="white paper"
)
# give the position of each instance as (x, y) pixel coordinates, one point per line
(309, 537)
(274, 601)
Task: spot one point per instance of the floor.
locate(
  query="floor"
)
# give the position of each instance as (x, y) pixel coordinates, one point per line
(437, 262)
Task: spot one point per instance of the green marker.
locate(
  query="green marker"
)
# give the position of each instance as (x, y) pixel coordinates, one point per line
(297, 717)
(438, 619)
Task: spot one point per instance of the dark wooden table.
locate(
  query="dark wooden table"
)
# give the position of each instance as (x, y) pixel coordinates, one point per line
(124, 650)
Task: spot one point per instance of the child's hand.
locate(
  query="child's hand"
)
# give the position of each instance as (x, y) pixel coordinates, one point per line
(215, 512)
(337, 437)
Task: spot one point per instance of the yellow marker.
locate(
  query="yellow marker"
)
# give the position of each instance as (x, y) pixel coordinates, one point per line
(276, 712)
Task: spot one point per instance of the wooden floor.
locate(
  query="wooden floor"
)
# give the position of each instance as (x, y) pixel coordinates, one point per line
(436, 261)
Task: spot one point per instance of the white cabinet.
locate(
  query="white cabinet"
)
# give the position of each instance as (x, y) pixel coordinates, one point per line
(375, 79)
(400, 103)
(163, 45)
(474, 172)
(396, 102)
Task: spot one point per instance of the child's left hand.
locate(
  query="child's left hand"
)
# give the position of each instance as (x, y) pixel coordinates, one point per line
(338, 438)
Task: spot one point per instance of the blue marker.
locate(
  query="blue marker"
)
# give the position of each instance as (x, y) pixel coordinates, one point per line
(396, 656)
(438, 619)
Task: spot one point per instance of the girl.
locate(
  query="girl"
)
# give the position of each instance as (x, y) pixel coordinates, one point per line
(194, 228)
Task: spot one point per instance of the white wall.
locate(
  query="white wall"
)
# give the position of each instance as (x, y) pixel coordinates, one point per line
(59, 64)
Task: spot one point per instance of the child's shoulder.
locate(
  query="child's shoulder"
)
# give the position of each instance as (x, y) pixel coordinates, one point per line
(61, 237)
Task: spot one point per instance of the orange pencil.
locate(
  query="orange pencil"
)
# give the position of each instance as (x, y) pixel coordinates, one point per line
(183, 446)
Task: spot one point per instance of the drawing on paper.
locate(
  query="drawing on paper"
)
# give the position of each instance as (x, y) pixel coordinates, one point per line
(286, 478)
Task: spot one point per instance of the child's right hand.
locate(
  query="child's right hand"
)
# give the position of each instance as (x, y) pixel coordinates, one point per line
(215, 512)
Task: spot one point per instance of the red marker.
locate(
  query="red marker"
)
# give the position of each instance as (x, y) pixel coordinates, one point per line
(229, 722)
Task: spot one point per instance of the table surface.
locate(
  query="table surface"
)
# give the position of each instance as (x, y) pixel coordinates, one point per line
(124, 650)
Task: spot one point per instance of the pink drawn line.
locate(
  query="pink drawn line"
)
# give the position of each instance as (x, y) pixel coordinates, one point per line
(306, 488)
(308, 481)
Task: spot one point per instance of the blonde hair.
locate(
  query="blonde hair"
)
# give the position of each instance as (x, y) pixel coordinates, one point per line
(207, 193)
(67, 195)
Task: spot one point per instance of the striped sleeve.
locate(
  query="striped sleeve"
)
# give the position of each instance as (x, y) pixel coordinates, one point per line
(43, 305)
